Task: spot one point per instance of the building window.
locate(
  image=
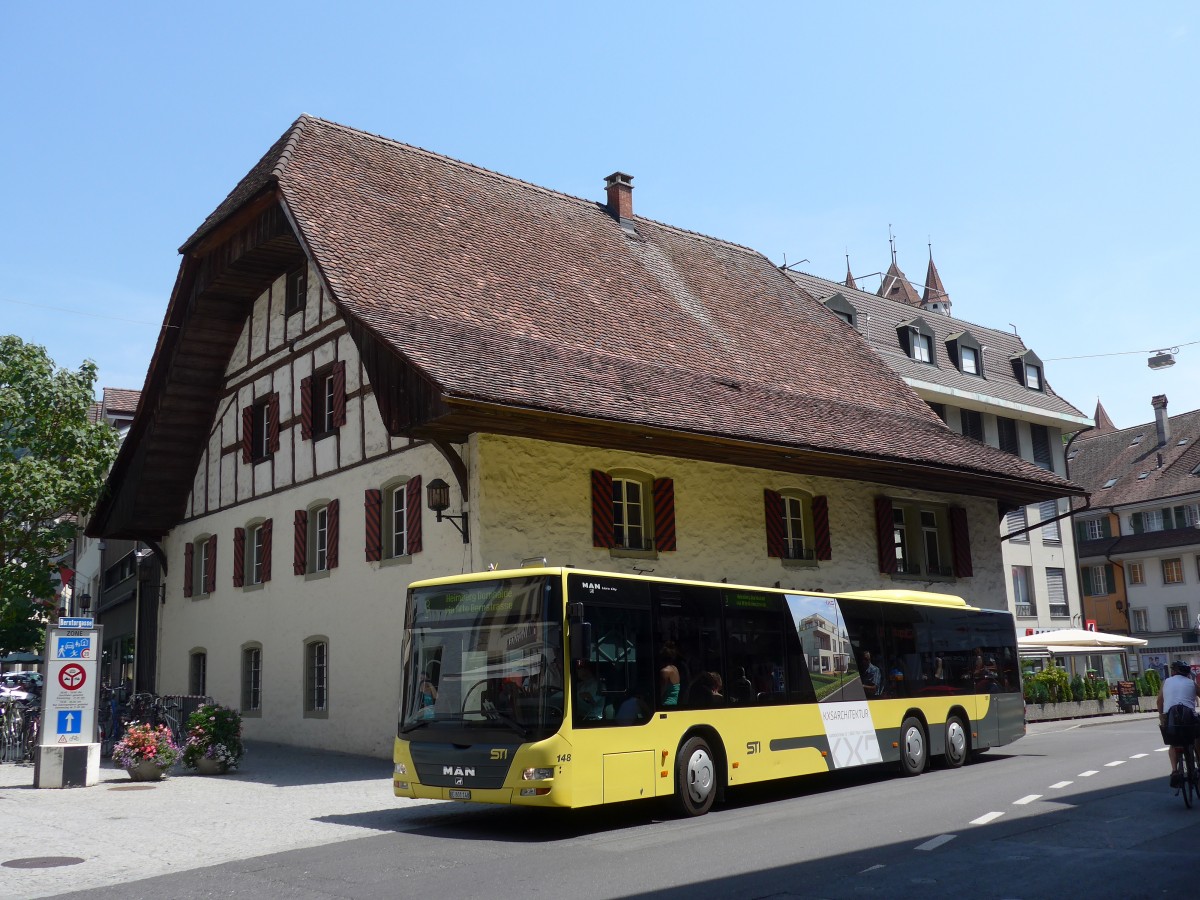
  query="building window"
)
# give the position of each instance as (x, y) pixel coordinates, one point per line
(198, 673)
(1172, 570)
(316, 538)
(1136, 574)
(200, 566)
(316, 677)
(252, 678)
(260, 429)
(1006, 430)
(1056, 592)
(1033, 377)
(297, 290)
(1047, 512)
(1096, 581)
(1016, 520)
(797, 526)
(1177, 618)
(393, 528)
(970, 360)
(1139, 620)
(254, 553)
(261, 436)
(632, 512)
(972, 423)
(1022, 583)
(398, 519)
(1094, 529)
(323, 401)
(922, 347)
(1042, 455)
(920, 534)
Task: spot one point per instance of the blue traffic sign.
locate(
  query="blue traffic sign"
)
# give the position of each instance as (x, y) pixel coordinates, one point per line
(89, 622)
(70, 721)
(74, 648)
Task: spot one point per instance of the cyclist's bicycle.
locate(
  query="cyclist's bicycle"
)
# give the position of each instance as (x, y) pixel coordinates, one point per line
(1179, 731)
(1185, 777)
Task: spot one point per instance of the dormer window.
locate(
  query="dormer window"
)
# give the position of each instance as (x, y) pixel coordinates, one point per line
(1028, 370)
(916, 340)
(966, 353)
(842, 308)
(970, 361)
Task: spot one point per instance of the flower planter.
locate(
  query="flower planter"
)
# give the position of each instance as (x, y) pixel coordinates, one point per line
(206, 766)
(146, 770)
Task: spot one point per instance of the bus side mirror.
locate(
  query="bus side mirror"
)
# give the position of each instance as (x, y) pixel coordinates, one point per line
(581, 639)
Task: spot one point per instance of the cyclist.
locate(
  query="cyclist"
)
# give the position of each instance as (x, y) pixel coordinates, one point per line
(1178, 725)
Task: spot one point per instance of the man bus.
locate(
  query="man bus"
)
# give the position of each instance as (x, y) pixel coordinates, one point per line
(763, 683)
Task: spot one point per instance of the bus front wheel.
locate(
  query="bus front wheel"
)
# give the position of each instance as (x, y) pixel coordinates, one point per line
(695, 778)
(958, 744)
(912, 747)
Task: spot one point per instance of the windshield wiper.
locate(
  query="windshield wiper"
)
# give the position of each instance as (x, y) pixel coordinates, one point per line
(489, 709)
(414, 725)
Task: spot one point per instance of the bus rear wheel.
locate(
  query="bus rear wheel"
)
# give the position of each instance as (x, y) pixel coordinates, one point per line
(695, 778)
(912, 747)
(958, 745)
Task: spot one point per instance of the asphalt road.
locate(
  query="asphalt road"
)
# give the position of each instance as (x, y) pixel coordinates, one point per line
(1072, 810)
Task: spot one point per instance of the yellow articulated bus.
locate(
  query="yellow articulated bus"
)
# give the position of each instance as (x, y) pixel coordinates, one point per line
(567, 688)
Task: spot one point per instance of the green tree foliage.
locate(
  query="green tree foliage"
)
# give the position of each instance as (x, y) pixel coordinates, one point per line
(53, 462)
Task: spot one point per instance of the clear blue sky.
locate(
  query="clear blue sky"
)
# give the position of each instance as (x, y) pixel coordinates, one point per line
(1048, 151)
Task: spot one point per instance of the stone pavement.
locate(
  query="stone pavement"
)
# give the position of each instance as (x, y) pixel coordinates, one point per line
(282, 798)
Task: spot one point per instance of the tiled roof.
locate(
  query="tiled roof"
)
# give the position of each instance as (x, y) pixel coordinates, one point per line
(1125, 454)
(121, 401)
(999, 380)
(507, 292)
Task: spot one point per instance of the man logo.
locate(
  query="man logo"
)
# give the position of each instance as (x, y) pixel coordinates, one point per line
(468, 771)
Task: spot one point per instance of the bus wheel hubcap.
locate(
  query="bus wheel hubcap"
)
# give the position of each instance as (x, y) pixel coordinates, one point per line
(914, 746)
(957, 738)
(700, 776)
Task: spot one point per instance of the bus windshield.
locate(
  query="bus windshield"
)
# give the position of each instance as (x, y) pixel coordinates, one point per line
(483, 659)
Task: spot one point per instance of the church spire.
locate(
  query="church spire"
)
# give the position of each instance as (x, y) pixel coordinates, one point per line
(849, 282)
(1103, 422)
(935, 299)
(895, 286)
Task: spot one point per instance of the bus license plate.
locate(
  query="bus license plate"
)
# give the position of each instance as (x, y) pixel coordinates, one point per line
(460, 795)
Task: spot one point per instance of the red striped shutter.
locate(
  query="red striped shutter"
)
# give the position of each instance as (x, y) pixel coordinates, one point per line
(274, 434)
(300, 548)
(885, 535)
(960, 539)
(412, 503)
(773, 513)
(188, 559)
(210, 577)
(239, 557)
(373, 504)
(247, 433)
(266, 550)
(331, 554)
(339, 394)
(824, 542)
(664, 514)
(306, 399)
(603, 532)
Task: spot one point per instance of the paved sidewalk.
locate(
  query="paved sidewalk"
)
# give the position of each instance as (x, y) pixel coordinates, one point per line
(282, 798)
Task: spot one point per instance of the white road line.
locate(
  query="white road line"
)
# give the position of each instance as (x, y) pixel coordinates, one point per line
(873, 868)
(1061, 784)
(1089, 773)
(1162, 749)
(934, 843)
(1139, 755)
(986, 817)
(1119, 762)
(1029, 798)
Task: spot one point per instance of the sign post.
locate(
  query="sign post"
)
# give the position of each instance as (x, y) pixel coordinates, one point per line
(68, 754)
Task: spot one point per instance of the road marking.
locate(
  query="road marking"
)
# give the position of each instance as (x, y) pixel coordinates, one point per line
(934, 843)
(1162, 749)
(873, 868)
(1119, 762)
(1029, 798)
(1139, 755)
(986, 817)
(1061, 784)
(1089, 773)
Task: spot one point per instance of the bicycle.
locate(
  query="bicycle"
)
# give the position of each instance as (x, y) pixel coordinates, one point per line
(1185, 777)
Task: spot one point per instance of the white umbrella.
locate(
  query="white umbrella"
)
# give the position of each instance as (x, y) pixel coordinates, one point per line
(1078, 637)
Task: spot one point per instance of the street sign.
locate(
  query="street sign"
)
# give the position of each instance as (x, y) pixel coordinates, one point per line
(72, 685)
(78, 622)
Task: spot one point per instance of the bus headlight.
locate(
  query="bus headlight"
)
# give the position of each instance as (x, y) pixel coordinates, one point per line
(401, 769)
(537, 774)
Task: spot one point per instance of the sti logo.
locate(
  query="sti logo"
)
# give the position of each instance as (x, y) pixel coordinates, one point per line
(464, 771)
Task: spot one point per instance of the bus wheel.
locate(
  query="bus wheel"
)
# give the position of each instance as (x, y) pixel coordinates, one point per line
(695, 778)
(957, 745)
(912, 747)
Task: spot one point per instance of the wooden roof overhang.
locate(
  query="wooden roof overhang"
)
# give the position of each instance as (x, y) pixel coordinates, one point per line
(218, 281)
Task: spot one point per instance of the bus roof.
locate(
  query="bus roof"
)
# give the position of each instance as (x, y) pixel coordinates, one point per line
(925, 598)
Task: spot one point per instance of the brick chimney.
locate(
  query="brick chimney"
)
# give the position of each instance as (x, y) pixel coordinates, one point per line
(620, 195)
(1161, 421)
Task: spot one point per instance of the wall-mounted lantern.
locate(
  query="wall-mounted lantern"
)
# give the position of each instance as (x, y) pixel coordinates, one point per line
(439, 501)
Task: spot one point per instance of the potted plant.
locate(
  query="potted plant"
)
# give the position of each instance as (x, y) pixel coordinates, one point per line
(146, 752)
(214, 740)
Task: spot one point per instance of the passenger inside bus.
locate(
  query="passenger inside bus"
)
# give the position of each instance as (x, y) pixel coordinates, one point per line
(589, 693)
(668, 676)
